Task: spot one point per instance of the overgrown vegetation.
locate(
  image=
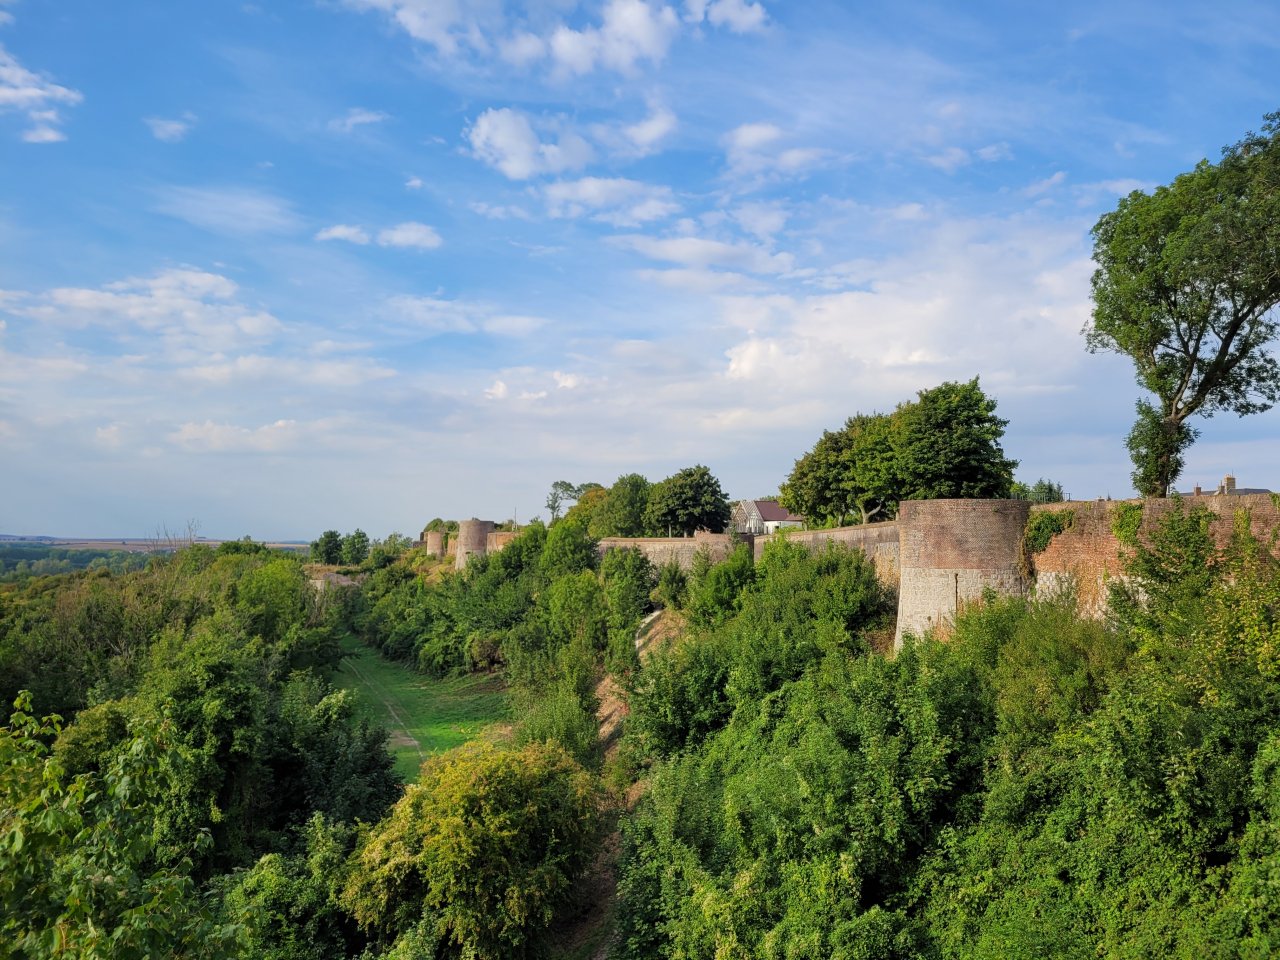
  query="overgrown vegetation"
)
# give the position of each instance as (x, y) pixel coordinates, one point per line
(1037, 785)
(1043, 526)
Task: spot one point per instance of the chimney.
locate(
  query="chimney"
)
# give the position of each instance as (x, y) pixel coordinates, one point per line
(1196, 491)
(1228, 484)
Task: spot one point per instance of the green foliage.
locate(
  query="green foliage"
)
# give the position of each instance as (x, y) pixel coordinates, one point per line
(949, 445)
(944, 444)
(1185, 287)
(328, 548)
(288, 903)
(1043, 526)
(849, 475)
(1126, 521)
(1157, 446)
(476, 858)
(1037, 785)
(622, 511)
(569, 549)
(672, 584)
(78, 876)
(355, 547)
(689, 500)
(718, 593)
(1042, 491)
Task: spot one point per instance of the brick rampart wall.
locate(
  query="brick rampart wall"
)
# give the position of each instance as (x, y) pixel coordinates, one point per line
(663, 550)
(1087, 555)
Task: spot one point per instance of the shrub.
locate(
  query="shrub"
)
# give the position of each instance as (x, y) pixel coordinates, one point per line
(482, 850)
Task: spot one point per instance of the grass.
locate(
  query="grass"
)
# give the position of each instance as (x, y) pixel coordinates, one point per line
(423, 715)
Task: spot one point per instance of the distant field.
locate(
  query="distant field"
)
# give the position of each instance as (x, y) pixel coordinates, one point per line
(424, 716)
(129, 544)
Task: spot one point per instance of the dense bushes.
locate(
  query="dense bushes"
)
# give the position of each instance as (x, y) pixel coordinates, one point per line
(475, 858)
(1038, 785)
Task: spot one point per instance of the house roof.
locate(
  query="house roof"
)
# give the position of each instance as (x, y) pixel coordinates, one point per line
(770, 512)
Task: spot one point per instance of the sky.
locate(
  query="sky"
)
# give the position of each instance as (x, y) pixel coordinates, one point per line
(275, 268)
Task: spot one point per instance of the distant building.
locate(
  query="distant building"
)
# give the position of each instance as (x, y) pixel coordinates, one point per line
(1227, 488)
(762, 516)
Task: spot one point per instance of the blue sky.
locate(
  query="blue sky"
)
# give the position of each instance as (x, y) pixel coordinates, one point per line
(281, 267)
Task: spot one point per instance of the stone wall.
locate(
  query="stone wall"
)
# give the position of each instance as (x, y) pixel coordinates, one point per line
(950, 551)
(435, 540)
(663, 550)
(1087, 555)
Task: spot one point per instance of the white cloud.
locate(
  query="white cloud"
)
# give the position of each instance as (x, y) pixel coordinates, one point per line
(500, 211)
(949, 160)
(418, 236)
(629, 31)
(762, 219)
(356, 117)
(521, 49)
(1045, 185)
(445, 24)
(263, 368)
(413, 183)
(566, 381)
(23, 91)
(496, 392)
(652, 130)
(211, 437)
(616, 200)
(344, 231)
(505, 139)
(191, 312)
(434, 316)
(698, 252)
(170, 131)
(740, 16)
(993, 152)
(755, 150)
(231, 210)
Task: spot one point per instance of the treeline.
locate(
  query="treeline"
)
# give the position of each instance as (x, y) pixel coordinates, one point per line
(687, 501)
(1037, 785)
(19, 562)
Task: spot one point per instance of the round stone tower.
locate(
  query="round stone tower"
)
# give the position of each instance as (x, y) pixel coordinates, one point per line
(473, 540)
(952, 550)
(435, 543)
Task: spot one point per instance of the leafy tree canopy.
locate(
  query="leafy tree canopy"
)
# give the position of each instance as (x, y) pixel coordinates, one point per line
(688, 500)
(946, 443)
(1187, 283)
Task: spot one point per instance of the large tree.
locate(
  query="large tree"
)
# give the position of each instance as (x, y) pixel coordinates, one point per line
(688, 500)
(1187, 284)
(849, 474)
(621, 512)
(946, 443)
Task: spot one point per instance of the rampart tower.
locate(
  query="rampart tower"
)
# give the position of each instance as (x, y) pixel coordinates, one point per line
(473, 540)
(952, 550)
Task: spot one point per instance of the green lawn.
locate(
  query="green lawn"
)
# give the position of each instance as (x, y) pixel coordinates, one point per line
(423, 715)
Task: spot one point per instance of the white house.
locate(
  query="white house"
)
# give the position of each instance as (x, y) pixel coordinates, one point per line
(762, 516)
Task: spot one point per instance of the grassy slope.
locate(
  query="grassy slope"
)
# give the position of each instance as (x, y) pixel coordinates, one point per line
(423, 715)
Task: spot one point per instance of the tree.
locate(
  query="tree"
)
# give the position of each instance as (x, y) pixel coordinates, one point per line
(1042, 491)
(355, 547)
(561, 491)
(328, 549)
(1187, 283)
(948, 445)
(849, 474)
(688, 500)
(477, 856)
(621, 512)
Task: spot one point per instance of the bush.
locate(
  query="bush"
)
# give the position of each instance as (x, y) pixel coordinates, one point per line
(482, 850)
